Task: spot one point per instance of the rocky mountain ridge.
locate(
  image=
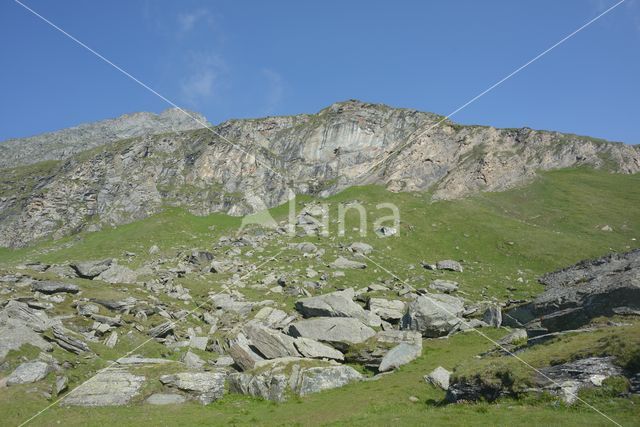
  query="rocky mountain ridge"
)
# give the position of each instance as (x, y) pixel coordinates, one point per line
(243, 166)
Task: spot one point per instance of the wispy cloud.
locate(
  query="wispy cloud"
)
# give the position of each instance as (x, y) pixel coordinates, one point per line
(187, 21)
(204, 79)
(274, 89)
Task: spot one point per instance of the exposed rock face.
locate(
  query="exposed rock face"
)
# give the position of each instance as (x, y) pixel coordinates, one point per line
(574, 295)
(113, 387)
(321, 153)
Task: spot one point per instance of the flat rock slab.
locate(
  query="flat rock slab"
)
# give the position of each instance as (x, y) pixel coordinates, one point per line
(29, 372)
(344, 330)
(91, 269)
(114, 387)
(314, 380)
(14, 334)
(165, 399)
(399, 355)
(54, 287)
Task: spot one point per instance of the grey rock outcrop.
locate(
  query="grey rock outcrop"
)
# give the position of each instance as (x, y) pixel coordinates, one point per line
(29, 372)
(574, 295)
(49, 288)
(334, 304)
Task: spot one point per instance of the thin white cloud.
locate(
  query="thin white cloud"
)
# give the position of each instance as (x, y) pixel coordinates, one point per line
(204, 79)
(274, 89)
(187, 21)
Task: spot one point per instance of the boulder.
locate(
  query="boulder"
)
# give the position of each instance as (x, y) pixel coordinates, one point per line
(306, 247)
(110, 387)
(270, 343)
(272, 317)
(446, 286)
(360, 248)
(162, 330)
(434, 315)
(14, 334)
(29, 372)
(118, 274)
(49, 288)
(450, 265)
(267, 385)
(243, 356)
(333, 330)
(334, 304)
(91, 269)
(206, 387)
(316, 350)
(63, 338)
(344, 263)
(389, 310)
(400, 355)
(386, 231)
(493, 316)
(439, 377)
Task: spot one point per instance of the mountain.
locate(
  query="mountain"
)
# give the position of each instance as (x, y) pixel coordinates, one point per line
(118, 171)
(67, 142)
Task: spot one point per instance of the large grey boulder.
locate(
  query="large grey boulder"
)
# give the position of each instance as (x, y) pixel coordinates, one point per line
(111, 387)
(118, 274)
(243, 355)
(434, 315)
(389, 310)
(333, 330)
(316, 350)
(206, 387)
(446, 286)
(493, 316)
(334, 304)
(344, 263)
(19, 312)
(91, 269)
(269, 342)
(400, 355)
(266, 385)
(49, 288)
(439, 377)
(603, 287)
(29, 372)
(314, 380)
(232, 304)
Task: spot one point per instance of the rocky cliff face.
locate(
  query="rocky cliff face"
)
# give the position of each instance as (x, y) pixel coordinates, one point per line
(343, 145)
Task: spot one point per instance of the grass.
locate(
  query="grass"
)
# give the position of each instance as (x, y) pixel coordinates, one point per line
(504, 240)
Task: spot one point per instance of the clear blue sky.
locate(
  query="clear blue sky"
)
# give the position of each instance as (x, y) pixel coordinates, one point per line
(234, 59)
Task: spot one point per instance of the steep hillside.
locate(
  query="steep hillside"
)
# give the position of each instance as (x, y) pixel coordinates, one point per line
(256, 162)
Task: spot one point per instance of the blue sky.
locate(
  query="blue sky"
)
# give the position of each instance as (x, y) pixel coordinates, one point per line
(235, 59)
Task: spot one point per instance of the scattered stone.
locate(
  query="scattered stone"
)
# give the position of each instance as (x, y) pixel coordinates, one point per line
(386, 231)
(112, 340)
(192, 361)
